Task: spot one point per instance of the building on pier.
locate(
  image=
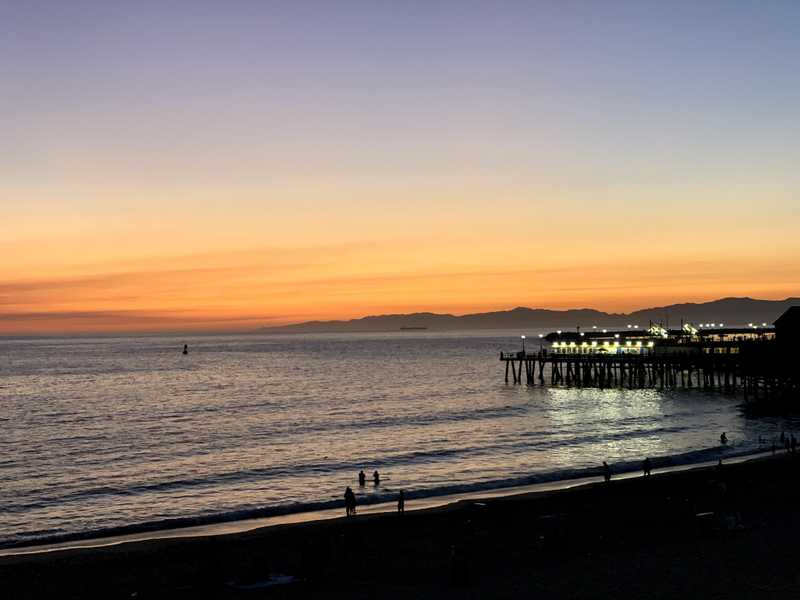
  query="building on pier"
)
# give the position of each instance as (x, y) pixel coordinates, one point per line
(608, 346)
(787, 326)
(706, 338)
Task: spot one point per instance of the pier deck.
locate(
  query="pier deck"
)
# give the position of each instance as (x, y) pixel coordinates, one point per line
(755, 376)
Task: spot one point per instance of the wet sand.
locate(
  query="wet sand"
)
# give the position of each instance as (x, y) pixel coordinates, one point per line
(699, 533)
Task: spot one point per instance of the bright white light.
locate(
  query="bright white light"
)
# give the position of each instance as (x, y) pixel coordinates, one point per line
(605, 330)
(582, 334)
(522, 336)
(629, 325)
(616, 335)
(636, 327)
(650, 344)
(763, 324)
(558, 332)
(541, 335)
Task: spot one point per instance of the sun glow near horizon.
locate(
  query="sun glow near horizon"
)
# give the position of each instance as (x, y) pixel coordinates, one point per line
(241, 290)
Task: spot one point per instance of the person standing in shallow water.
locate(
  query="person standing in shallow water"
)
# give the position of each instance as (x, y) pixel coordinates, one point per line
(349, 502)
(606, 472)
(362, 478)
(376, 478)
(401, 502)
(723, 439)
(646, 467)
(186, 348)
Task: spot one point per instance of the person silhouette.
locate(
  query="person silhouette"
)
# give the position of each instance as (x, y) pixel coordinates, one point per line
(646, 467)
(723, 439)
(401, 502)
(186, 348)
(606, 472)
(362, 478)
(376, 478)
(349, 502)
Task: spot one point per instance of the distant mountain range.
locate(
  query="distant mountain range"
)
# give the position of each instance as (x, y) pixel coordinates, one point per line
(731, 311)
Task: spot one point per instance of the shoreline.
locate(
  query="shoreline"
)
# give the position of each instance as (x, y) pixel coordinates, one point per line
(222, 527)
(700, 531)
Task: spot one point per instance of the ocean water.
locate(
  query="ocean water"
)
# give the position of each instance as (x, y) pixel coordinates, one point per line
(112, 434)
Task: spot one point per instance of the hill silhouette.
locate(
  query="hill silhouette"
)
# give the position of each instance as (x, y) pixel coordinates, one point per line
(731, 311)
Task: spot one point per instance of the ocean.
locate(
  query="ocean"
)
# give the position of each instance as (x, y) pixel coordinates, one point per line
(105, 435)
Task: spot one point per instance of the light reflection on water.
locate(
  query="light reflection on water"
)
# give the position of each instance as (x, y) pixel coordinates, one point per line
(101, 433)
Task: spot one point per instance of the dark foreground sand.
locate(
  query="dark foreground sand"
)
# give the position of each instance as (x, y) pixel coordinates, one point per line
(636, 538)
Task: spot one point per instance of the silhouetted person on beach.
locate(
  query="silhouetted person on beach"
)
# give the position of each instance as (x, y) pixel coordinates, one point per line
(186, 348)
(362, 478)
(376, 478)
(349, 502)
(401, 502)
(723, 439)
(606, 472)
(646, 467)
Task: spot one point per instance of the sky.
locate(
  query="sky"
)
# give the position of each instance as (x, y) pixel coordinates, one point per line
(229, 165)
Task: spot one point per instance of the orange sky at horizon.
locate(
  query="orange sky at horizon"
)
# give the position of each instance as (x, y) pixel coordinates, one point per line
(108, 284)
(237, 258)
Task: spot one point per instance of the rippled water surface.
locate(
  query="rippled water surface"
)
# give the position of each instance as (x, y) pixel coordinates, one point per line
(104, 433)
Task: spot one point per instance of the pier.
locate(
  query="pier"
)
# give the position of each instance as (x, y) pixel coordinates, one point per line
(752, 360)
(729, 373)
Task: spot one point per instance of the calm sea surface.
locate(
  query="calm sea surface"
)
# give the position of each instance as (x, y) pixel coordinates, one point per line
(99, 434)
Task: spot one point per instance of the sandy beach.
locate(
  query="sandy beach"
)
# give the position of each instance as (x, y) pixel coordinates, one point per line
(704, 532)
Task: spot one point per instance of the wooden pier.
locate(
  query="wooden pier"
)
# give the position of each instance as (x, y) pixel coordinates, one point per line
(757, 377)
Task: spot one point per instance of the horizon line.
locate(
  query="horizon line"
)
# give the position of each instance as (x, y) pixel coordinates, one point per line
(172, 331)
